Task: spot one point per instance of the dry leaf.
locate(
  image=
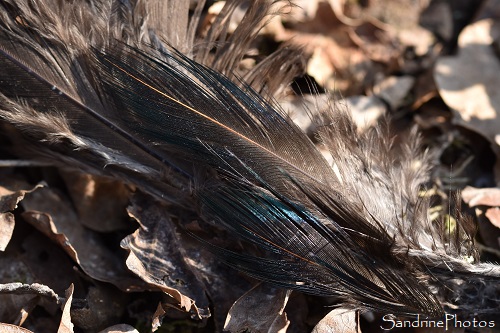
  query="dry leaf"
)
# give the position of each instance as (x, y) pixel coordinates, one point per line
(120, 328)
(260, 310)
(11, 192)
(156, 256)
(8, 328)
(469, 82)
(394, 90)
(100, 202)
(7, 223)
(338, 321)
(481, 196)
(66, 326)
(52, 215)
(29, 289)
(158, 317)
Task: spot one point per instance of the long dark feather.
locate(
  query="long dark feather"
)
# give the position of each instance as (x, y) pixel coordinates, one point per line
(187, 134)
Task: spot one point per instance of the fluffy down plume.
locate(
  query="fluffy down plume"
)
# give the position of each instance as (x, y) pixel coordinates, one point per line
(96, 86)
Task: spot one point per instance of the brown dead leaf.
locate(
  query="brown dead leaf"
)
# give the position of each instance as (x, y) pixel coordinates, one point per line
(38, 289)
(158, 317)
(157, 256)
(224, 284)
(44, 223)
(469, 82)
(7, 223)
(11, 192)
(66, 326)
(120, 328)
(260, 310)
(493, 214)
(335, 62)
(338, 321)
(394, 90)
(100, 202)
(8, 328)
(54, 216)
(17, 300)
(344, 52)
(481, 196)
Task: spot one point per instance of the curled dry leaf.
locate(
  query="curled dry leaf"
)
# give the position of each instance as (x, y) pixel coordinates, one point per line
(157, 256)
(120, 328)
(11, 192)
(8, 328)
(260, 310)
(481, 196)
(7, 223)
(338, 321)
(66, 326)
(17, 300)
(158, 317)
(469, 82)
(54, 216)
